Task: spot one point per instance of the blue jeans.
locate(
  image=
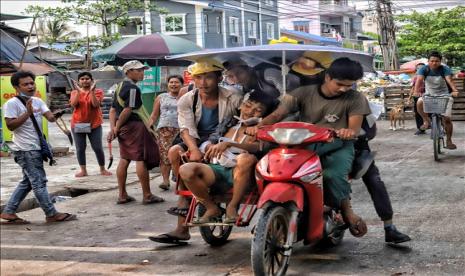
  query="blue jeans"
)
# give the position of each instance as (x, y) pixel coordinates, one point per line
(34, 179)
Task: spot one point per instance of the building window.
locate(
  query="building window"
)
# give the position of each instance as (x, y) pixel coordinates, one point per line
(301, 26)
(135, 26)
(205, 23)
(173, 23)
(252, 28)
(218, 25)
(269, 2)
(269, 30)
(234, 26)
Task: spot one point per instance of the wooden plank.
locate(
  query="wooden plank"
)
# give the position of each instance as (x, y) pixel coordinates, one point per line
(458, 111)
(458, 105)
(458, 117)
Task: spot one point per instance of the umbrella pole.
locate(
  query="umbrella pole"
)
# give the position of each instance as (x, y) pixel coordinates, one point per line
(284, 72)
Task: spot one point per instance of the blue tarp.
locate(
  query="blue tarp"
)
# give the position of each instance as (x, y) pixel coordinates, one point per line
(319, 39)
(11, 50)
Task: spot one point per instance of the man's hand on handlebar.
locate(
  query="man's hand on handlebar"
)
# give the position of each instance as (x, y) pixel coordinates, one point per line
(346, 134)
(454, 94)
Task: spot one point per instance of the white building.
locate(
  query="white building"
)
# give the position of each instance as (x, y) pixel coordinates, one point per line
(320, 17)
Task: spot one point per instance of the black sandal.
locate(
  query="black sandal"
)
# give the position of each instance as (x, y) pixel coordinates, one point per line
(176, 211)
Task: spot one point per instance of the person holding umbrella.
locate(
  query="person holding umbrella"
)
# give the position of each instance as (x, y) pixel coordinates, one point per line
(129, 121)
(87, 121)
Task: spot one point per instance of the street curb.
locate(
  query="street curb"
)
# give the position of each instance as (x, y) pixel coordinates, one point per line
(31, 203)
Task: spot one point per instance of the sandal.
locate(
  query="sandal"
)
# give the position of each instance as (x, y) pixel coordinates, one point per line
(152, 200)
(177, 211)
(67, 217)
(164, 186)
(126, 200)
(230, 219)
(169, 239)
(16, 221)
(210, 219)
(451, 146)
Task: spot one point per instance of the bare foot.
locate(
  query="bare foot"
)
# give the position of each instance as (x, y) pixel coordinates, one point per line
(425, 125)
(105, 173)
(81, 174)
(451, 145)
(357, 226)
(231, 212)
(209, 215)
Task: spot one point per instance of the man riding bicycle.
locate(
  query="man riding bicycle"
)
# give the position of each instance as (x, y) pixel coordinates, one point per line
(438, 82)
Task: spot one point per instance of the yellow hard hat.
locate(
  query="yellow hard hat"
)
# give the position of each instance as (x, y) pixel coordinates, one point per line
(312, 63)
(205, 65)
(284, 39)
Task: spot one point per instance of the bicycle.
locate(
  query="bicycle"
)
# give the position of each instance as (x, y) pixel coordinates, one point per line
(435, 106)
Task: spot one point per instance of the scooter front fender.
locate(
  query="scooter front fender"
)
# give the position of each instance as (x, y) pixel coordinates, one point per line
(281, 192)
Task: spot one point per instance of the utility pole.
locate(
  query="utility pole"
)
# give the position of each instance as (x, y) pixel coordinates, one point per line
(387, 34)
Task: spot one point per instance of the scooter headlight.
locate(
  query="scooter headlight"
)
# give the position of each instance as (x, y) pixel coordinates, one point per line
(290, 136)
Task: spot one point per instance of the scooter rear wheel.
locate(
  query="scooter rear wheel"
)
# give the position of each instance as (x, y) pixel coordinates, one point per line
(268, 242)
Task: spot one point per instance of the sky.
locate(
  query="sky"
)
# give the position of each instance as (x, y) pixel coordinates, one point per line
(402, 6)
(17, 7)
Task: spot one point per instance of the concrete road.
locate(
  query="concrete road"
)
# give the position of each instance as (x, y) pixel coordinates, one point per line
(108, 239)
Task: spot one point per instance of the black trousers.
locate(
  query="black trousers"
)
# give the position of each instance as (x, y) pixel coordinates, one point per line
(378, 192)
(375, 186)
(418, 118)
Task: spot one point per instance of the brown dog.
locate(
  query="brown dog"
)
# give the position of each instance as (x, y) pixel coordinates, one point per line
(396, 114)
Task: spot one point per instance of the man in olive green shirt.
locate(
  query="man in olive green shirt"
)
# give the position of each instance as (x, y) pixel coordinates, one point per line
(333, 104)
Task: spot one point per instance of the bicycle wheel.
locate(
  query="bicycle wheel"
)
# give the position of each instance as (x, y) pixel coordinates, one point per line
(436, 135)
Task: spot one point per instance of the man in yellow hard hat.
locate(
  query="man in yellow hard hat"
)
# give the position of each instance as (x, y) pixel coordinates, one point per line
(199, 113)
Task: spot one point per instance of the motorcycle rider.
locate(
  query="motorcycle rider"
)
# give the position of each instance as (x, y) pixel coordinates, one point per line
(336, 105)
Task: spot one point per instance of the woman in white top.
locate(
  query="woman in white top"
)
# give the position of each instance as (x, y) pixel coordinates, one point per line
(166, 112)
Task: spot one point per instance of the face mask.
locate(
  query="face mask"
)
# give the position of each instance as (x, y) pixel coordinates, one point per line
(24, 95)
(249, 122)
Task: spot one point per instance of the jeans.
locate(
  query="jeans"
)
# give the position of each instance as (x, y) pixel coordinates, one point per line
(34, 179)
(95, 138)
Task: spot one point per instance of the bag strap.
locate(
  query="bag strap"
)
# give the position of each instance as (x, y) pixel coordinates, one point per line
(442, 73)
(33, 119)
(194, 102)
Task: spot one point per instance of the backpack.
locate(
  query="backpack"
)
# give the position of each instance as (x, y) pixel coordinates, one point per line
(441, 71)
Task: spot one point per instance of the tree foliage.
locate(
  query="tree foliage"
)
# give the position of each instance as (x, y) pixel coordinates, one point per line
(103, 13)
(54, 31)
(442, 30)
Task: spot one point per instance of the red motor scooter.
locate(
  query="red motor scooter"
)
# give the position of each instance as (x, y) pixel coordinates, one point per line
(290, 187)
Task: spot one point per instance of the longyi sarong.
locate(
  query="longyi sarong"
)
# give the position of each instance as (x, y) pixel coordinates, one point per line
(137, 144)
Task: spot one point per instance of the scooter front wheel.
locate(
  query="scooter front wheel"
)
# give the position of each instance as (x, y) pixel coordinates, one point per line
(268, 243)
